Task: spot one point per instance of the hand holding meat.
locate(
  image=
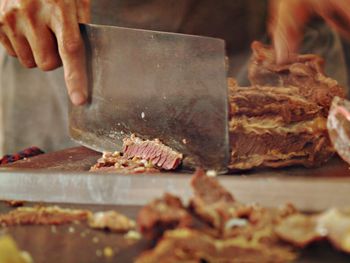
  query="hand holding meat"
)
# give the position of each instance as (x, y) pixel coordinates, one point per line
(45, 34)
(288, 18)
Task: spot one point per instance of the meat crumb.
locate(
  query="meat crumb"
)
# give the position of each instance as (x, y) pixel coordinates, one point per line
(132, 234)
(108, 252)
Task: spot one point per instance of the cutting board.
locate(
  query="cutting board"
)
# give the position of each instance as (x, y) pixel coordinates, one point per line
(63, 177)
(72, 159)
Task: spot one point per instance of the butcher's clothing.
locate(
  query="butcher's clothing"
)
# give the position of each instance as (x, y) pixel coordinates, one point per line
(34, 104)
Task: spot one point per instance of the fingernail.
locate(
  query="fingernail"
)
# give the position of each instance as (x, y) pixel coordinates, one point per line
(78, 98)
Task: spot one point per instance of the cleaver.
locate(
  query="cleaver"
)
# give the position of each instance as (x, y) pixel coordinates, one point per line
(155, 85)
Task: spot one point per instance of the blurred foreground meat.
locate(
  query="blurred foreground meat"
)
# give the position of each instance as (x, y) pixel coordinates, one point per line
(218, 228)
(281, 119)
(221, 230)
(301, 230)
(163, 214)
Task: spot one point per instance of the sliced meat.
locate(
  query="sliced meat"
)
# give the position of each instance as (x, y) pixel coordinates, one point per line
(154, 151)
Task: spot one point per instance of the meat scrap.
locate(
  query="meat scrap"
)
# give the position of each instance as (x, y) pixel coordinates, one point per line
(111, 220)
(302, 230)
(115, 162)
(227, 217)
(189, 245)
(281, 119)
(38, 215)
(154, 151)
(162, 214)
(212, 203)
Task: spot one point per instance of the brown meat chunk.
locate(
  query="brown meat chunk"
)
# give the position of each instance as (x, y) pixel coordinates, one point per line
(162, 214)
(216, 206)
(299, 230)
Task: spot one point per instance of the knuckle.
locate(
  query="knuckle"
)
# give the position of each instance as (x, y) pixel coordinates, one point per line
(10, 19)
(70, 76)
(72, 45)
(27, 62)
(49, 63)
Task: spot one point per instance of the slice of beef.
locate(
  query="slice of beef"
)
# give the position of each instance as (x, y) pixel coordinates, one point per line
(162, 214)
(254, 146)
(272, 103)
(304, 72)
(188, 245)
(154, 151)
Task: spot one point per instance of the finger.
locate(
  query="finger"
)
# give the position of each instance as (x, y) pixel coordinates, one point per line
(71, 49)
(39, 36)
(44, 47)
(18, 41)
(287, 23)
(7, 44)
(83, 11)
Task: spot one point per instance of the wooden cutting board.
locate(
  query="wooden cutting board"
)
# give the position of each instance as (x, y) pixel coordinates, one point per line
(79, 159)
(72, 159)
(62, 177)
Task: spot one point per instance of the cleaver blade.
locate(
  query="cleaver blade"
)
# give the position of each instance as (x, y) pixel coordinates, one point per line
(155, 85)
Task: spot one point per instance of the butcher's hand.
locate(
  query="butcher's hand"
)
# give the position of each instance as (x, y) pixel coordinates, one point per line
(45, 34)
(288, 18)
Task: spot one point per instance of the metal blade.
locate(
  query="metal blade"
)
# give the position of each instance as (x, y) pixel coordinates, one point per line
(155, 85)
